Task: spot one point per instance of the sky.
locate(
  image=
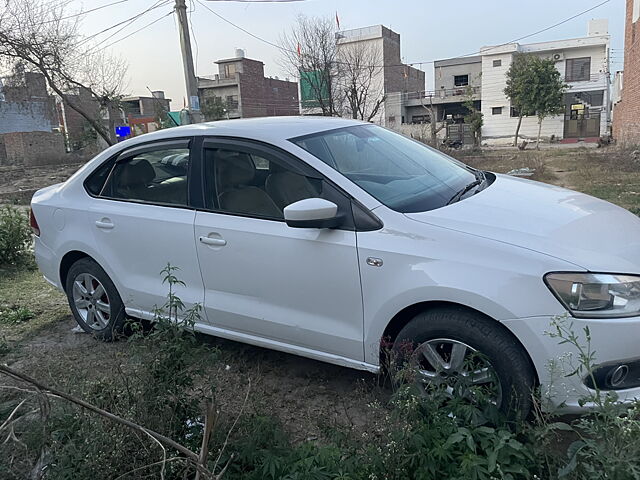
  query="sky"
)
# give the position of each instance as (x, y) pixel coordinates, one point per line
(429, 30)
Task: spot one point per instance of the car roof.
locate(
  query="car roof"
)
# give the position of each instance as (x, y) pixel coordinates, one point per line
(268, 129)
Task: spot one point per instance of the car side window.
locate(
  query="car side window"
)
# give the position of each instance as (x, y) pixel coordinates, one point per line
(240, 182)
(158, 176)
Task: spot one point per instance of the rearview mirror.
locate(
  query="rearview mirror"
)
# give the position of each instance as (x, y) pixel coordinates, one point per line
(312, 213)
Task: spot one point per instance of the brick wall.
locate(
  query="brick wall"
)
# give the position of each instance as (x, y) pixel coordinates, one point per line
(626, 120)
(32, 148)
(26, 116)
(27, 106)
(77, 128)
(263, 97)
(281, 97)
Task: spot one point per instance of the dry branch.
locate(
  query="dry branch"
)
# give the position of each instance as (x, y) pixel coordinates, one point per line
(57, 393)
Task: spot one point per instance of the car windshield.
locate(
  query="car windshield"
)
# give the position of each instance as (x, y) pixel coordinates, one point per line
(401, 173)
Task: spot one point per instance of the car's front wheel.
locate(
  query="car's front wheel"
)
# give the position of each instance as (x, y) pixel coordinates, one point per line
(464, 354)
(94, 300)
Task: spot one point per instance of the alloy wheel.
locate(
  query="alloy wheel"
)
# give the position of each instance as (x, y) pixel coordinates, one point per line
(92, 302)
(457, 370)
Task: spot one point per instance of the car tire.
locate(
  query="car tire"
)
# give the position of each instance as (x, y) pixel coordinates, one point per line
(432, 331)
(94, 300)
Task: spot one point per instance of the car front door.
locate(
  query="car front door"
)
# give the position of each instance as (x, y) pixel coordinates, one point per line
(265, 281)
(141, 221)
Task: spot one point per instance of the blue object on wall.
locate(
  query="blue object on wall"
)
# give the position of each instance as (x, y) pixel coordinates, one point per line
(123, 131)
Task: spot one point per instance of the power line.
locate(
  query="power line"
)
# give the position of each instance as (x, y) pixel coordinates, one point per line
(425, 62)
(85, 12)
(243, 29)
(542, 30)
(135, 31)
(195, 39)
(128, 21)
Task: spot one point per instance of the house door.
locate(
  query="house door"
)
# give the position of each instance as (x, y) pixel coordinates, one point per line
(581, 123)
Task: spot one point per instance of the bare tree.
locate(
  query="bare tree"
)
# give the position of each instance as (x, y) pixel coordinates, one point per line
(361, 79)
(45, 37)
(309, 52)
(434, 127)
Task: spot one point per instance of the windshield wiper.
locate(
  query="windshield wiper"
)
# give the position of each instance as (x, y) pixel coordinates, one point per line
(480, 178)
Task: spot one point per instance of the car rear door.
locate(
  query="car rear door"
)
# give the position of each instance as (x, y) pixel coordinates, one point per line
(142, 219)
(263, 279)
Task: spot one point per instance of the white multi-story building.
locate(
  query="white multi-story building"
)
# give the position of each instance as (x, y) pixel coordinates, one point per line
(582, 62)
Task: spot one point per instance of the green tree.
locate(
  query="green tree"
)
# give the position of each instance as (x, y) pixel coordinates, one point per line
(548, 91)
(214, 108)
(474, 118)
(534, 87)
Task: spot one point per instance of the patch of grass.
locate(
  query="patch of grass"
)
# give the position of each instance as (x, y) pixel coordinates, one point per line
(612, 175)
(28, 304)
(15, 314)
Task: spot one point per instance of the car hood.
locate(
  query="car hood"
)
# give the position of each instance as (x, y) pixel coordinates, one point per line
(588, 232)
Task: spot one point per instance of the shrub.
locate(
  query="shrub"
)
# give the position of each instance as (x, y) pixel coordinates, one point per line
(416, 437)
(15, 235)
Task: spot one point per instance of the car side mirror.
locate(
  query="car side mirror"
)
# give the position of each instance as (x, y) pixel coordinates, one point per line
(312, 213)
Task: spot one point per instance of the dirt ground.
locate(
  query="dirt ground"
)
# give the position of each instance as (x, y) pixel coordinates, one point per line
(18, 183)
(307, 396)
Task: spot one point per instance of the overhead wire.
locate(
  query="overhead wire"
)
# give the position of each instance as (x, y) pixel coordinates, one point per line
(424, 62)
(126, 23)
(134, 32)
(195, 37)
(85, 12)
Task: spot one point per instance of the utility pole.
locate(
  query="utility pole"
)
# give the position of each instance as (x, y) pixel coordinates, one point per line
(191, 82)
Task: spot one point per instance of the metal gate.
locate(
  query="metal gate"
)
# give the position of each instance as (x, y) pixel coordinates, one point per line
(581, 126)
(460, 132)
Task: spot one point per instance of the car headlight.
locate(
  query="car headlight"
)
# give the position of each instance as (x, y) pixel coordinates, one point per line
(596, 295)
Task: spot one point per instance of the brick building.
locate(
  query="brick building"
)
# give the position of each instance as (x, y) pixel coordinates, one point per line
(391, 80)
(146, 114)
(26, 106)
(241, 90)
(28, 122)
(79, 134)
(626, 114)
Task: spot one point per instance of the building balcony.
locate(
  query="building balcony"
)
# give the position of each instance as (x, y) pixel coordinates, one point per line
(596, 81)
(443, 96)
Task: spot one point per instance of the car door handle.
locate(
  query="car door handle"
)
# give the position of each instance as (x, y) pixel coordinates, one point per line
(104, 224)
(216, 242)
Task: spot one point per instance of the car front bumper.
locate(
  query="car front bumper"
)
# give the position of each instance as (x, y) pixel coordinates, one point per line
(612, 341)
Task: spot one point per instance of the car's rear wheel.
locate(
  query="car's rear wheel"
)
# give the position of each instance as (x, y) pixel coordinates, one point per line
(94, 300)
(466, 355)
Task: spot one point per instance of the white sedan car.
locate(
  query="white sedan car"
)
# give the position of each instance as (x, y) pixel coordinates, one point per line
(332, 238)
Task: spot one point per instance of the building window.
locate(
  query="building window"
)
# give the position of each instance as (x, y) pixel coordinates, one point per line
(232, 102)
(497, 63)
(514, 112)
(636, 11)
(496, 111)
(578, 69)
(461, 80)
(230, 70)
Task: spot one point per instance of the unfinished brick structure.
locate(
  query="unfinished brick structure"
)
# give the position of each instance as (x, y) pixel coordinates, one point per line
(246, 92)
(626, 121)
(27, 123)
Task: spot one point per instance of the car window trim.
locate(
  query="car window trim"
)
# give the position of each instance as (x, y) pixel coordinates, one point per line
(288, 159)
(113, 158)
(144, 148)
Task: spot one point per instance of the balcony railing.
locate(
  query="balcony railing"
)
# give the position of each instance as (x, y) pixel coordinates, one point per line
(444, 93)
(594, 77)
